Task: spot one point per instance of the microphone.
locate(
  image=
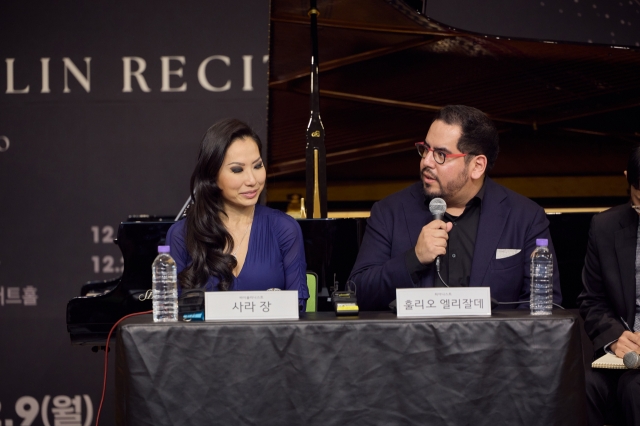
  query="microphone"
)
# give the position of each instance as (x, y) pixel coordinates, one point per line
(631, 360)
(437, 207)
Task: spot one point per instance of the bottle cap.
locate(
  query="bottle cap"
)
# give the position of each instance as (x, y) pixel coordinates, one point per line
(166, 249)
(542, 242)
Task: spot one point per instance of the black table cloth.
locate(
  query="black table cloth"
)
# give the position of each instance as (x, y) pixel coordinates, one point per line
(507, 369)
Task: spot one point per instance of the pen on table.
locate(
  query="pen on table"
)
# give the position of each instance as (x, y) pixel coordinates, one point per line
(626, 325)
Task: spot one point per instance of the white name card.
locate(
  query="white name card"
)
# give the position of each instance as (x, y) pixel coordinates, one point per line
(250, 305)
(443, 302)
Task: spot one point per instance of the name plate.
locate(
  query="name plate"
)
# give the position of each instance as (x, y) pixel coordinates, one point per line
(250, 305)
(443, 302)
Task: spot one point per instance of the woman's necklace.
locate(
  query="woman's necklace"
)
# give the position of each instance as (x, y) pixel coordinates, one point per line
(236, 247)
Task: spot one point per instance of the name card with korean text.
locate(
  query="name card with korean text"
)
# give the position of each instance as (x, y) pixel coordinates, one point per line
(250, 305)
(443, 302)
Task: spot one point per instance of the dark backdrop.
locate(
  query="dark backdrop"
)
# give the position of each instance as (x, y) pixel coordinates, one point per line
(76, 158)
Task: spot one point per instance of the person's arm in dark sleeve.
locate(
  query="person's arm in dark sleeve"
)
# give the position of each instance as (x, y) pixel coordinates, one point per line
(376, 273)
(601, 323)
(414, 267)
(293, 259)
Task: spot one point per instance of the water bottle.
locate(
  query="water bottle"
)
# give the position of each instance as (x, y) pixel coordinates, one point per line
(165, 287)
(541, 279)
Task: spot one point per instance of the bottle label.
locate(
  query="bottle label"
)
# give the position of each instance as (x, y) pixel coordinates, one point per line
(164, 276)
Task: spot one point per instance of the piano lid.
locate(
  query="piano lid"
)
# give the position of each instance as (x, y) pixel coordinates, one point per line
(569, 109)
(609, 22)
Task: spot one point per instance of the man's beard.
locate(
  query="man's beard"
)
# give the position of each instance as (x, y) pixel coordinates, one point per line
(451, 189)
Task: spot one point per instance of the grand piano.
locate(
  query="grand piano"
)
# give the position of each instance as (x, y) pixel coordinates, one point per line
(101, 304)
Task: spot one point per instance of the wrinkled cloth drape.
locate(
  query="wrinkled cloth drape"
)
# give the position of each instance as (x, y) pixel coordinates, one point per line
(507, 369)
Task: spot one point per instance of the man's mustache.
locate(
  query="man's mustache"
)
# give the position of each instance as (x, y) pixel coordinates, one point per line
(427, 171)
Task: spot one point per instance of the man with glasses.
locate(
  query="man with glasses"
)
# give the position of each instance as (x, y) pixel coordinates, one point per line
(485, 238)
(610, 305)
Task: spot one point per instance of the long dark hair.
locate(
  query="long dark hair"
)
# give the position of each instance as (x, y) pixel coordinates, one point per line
(207, 236)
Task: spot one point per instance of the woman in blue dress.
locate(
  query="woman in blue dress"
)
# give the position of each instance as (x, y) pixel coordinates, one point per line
(228, 241)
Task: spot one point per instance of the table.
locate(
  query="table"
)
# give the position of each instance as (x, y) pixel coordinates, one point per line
(376, 369)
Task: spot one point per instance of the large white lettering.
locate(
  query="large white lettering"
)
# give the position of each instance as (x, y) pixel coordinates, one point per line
(45, 75)
(167, 72)
(211, 77)
(248, 84)
(4, 143)
(10, 84)
(85, 81)
(202, 74)
(126, 65)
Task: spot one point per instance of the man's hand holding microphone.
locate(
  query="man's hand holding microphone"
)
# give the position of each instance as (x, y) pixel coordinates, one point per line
(432, 241)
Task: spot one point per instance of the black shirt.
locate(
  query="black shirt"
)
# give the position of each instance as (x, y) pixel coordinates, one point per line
(455, 267)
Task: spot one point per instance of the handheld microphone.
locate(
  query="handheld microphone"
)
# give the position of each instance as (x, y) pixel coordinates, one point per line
(437, 207)
(631, 360)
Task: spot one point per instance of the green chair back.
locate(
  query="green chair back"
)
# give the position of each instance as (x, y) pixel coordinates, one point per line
(312, 284)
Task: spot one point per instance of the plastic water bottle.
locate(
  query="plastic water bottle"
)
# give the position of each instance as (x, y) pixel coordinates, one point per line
(165, 287)
(541, 279)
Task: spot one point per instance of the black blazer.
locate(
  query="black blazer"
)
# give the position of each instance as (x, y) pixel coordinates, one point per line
(507, 221)
(609, 275)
